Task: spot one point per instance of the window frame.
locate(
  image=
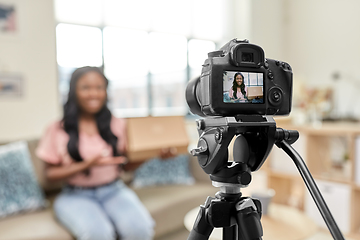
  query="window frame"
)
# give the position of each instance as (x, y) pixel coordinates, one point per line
(150, 106)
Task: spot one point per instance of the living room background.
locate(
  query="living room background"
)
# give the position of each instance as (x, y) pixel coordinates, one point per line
(318, 38)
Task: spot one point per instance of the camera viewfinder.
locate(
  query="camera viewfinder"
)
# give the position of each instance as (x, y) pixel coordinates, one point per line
(247, 57)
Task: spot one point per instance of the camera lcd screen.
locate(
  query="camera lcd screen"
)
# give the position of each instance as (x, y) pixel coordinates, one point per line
(243, 87)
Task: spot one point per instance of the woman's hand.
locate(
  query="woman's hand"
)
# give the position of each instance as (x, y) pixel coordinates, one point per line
(61, 172)
(93, 161)
(112, 160)
(165, 153)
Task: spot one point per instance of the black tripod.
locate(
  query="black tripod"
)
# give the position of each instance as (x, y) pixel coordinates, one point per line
(240, 216)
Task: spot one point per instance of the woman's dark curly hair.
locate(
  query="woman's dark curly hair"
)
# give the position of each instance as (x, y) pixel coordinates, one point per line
(71, 117)
(235, 85)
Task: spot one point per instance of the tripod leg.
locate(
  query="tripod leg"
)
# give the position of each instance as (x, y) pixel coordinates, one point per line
(250, 227)
(202, 229)
(248, 221)
(230, 233)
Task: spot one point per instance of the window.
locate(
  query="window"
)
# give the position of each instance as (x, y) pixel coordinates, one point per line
(253, 79)
(198, 50)
(168, 55)
(82, 48)
(76, 46)
(148, 53)
(126, 66)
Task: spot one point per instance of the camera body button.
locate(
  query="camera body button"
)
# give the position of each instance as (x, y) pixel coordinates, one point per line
(270, 75)
(266, 65)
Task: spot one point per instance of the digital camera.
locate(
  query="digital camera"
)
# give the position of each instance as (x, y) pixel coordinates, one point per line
(239, 80)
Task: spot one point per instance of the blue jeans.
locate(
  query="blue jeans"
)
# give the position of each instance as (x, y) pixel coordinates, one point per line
(102, 212)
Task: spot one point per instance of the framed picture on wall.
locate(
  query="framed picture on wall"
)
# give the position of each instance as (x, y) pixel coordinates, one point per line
(8, 20)
(11, 85)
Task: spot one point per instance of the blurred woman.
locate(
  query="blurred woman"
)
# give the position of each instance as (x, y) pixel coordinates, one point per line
(238, 91)
(85, 149)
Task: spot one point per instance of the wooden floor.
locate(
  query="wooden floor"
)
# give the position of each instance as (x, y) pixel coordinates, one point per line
(179, 235)
(183, 235)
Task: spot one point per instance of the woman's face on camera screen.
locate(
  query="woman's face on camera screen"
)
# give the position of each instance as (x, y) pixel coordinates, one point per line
(239, 80)
(91, 92)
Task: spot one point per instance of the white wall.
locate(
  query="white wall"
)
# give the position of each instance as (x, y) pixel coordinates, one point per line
(268, 27)
(323, 36)
(317, 38)
(31, 53)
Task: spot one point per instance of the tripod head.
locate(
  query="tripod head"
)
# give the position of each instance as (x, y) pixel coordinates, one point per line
(256, 136)
(238, 216)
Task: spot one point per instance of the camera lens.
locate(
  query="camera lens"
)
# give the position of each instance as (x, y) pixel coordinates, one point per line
(192, 96)
(247, 57)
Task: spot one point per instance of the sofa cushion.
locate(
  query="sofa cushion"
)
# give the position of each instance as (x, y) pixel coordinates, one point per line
(19, 189)
(169, 204)
(39, 165)
(33, 226)
(163, 172)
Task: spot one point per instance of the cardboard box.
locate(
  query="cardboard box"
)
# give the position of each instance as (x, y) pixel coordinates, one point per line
(255, 92)
(148, 135)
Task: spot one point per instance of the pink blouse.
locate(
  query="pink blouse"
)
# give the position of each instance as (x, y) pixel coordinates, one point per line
(52, 148)
(238, 94)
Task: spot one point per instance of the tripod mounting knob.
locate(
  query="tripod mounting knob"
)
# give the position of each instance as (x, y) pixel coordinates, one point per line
(244, 178)
(201, 149)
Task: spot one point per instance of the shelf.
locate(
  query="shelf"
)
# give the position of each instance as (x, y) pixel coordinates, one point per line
(331, 179)
(354, 236)
(330, 155)
(330, 129)
(288, 188)
(335, 177)
(355, 208)
(279, 174)
(356, 187)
